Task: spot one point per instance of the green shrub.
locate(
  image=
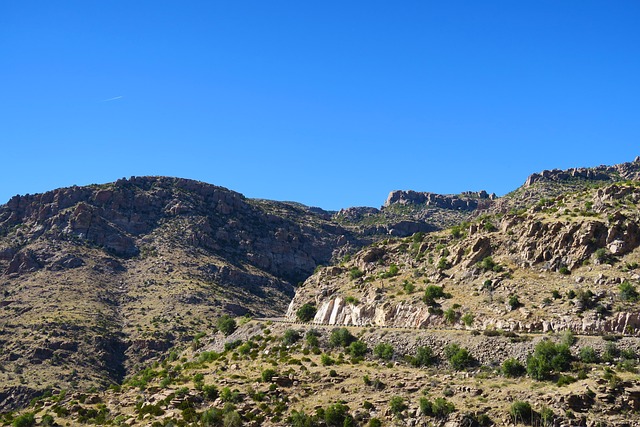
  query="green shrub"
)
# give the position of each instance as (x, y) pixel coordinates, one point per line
(520, 412)
(548, 358)
(212, 417)
(588, 355)
(326, 360)
(306, 312)
(611, 352)
(443, 264)
(341, 337)
(565, 380)
(383, 351)
(27, 419)
(358, 349)
(628, 292)
(441, 407)
(336, 414)
(47, 420)
(290, 336)
(432, 292)
(458, 357)
(408, 287)
(426, 407)
(311, 338)
(603, 256)
(355, 273)
(267, 375)
(423, 357)
(226, 324)
(397, 405)
(514, 302)
(393, 271)
(467, 319)
(210, 392)
(513, 368)
(450, 316)
(564, 270)
(547, 417)
(351, 300)
(487, 264)
(375, 422)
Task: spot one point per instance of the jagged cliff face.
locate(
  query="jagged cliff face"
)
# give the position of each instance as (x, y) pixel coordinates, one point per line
(94, 280)
(582, 242)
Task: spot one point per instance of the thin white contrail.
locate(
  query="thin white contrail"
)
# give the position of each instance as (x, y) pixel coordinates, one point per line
(111, 99)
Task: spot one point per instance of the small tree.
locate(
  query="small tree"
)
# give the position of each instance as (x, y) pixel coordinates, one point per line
(306, 312)
(423, 357)
(358, 349)
(336, 414)
(383, 351)
(548, 358)
(458, 357)
(588, 355)
(513, 368)
(226, 324)
(341, 337)
(290, 337)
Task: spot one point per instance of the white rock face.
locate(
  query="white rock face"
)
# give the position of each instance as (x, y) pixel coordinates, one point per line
(336, 311)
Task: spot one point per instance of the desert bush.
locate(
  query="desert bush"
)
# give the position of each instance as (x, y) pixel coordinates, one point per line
(443, 264)
(311, 337)
(441, 407)
(514, 302)
(290, 336)
(423, 357)
(383, 351)
(306, 312)
(226, 324)
(27, 419)
(397, 405)
(267, 375)
(326, 360)
(358, 349)
(513, 368)
(336, 414)
(458, 357)
(432, 292)
(588, 355)
(548, 358)
(467, 319)
(355, 273)
(341, 337)
(520, 412)
(628, 292)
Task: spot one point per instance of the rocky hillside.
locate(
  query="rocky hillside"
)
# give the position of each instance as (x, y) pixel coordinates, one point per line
(97, 279)
(99, 283)
(560, 264)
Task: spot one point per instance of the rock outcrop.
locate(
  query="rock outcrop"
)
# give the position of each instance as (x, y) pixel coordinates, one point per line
(623, 171)
(467, 201)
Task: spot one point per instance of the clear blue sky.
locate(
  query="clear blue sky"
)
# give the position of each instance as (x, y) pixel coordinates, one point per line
(329, 103)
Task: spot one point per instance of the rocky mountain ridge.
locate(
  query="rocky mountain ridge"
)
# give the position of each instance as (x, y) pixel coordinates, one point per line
(587, 242)
(99, 280)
